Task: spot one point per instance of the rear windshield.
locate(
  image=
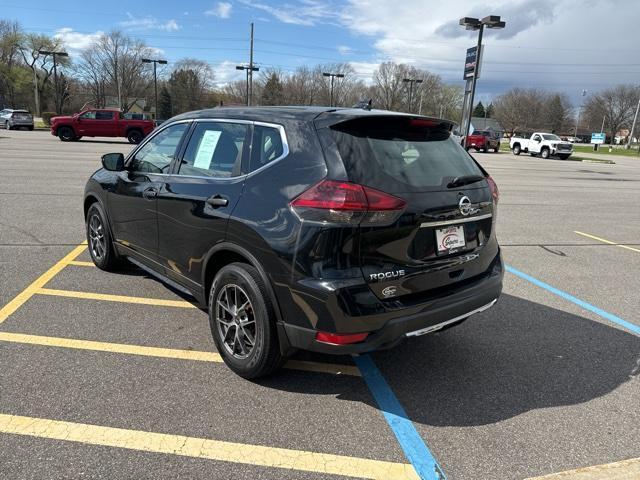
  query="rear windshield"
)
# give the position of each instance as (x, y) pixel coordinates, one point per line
(401, 154)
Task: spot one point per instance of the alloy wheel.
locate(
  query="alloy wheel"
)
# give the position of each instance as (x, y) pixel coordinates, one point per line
(97, 242)
(235, 320)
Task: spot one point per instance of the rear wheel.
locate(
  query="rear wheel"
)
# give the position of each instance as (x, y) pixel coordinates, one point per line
(243, 322)
(135, 136)
(66, 134)
(516, 149)
(545, 153)
(485, 149)
(99, 239)
(497, 149)
(31, 128)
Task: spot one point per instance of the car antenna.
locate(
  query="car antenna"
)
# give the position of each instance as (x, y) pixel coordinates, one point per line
(363, 104)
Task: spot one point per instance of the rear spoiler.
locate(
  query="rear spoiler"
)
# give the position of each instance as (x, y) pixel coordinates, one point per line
(335, 116)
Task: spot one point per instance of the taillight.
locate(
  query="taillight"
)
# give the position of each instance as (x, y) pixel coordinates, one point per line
(494, 189)
(332, 201)
(340, 338)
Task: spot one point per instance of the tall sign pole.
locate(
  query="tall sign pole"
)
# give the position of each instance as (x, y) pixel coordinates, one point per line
(474, 78)
(250, 71)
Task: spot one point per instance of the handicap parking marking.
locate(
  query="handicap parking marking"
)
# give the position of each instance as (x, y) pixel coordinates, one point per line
(581, 303)
(160, 352)
(604, 240)
(40, 282)
(159, 302)
(408, 437)
(204, 448)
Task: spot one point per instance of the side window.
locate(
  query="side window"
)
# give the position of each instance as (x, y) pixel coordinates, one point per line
(104, 115)
(88, 115)
(267, 146)
(214, 150)
(156, 155)
(537, 138)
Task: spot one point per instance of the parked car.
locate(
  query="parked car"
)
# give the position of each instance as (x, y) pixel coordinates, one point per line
(483, 140)
(333, 230)
(100, 123)
(544, 144)
(11, 119)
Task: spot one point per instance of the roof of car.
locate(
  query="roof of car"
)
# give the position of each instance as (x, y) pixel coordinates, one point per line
(15, 110)
(303, 113)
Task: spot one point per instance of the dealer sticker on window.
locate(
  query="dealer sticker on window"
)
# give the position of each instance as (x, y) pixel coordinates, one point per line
(450, 238)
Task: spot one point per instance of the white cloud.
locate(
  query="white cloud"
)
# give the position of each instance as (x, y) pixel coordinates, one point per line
(225, 72)
(73, 40)
(221, 10)
(301, 12)
(344, 50)
(149, 23)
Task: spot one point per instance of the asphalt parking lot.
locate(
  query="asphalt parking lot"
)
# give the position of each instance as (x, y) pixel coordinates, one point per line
(116, 376)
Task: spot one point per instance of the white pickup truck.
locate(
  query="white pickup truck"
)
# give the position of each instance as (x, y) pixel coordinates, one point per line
(543, 144)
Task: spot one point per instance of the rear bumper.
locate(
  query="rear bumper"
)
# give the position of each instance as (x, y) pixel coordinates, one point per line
(433, 315)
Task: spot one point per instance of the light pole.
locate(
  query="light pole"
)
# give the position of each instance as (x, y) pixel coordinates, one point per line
(633, 126)
(155, 77)
(584, 92)
(248, 68)
(55, 75)
(411, 81)
(470, 23)
(333, 76)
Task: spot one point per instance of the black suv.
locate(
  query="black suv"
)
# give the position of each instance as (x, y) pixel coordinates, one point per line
(332, 230)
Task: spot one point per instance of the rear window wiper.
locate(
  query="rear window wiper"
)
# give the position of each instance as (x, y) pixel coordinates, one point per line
(464, 180)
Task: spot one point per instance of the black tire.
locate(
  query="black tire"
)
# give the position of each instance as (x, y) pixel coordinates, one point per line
(31, 128)
(544, 153)
(516, 149)
(66, 134)
(135, 136)
(563, 157)
(99, 239)
(240, 283)
(497, 149)
(485, 149)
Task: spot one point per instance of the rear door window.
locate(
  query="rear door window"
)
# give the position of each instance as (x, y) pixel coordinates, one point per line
(267, 146)
(215, 150)
(397, 154)
(102, 115)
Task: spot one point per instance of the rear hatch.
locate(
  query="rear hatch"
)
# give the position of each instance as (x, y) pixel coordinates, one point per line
(444, 233)
(22, 116)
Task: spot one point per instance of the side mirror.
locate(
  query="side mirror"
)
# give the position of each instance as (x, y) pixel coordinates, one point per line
(113, 162)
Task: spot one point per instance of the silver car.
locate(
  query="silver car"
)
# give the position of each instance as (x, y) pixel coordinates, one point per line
(11, 119)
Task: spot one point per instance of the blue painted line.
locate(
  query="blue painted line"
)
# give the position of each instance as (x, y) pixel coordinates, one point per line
(581, 303)
(410, 440)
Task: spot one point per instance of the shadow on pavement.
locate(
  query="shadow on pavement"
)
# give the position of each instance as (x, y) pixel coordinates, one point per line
(518, 356)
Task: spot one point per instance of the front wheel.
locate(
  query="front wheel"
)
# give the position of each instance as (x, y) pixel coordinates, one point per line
(516, 150)
(66, 134)
(99, 239)
(545, 153)
(135, 136)
(243, 322)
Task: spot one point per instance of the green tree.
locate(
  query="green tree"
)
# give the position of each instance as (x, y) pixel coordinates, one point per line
(164, 104)
(479, 110)
(489, 111)
(272, 91)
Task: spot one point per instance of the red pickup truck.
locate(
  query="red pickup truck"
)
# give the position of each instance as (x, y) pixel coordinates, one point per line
(483, 140)
(100, 123)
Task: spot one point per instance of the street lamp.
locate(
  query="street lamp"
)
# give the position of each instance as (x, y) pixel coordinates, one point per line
(155, 77)
(248, 68)
(411, 81)
(584, 92)
(333, 76)
(470, 23)
(55, 76)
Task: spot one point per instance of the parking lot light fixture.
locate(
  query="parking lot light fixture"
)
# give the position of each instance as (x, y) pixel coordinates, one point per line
(249, 69)
(55, 55)
(471, 23)
(332, 76)
(411, 81)
(155, 77)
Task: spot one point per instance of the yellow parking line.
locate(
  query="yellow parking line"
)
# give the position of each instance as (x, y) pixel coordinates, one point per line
(603, 240)
(114, 298)
(40, 282)
(160, 352)
(205, 448)
(624, 470)
(80, 263)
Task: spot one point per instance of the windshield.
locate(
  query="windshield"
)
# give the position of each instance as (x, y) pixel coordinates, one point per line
(550, 136)
(401, 154)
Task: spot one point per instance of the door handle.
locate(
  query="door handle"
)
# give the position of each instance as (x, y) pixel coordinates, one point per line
(217, 201)
(150, 193)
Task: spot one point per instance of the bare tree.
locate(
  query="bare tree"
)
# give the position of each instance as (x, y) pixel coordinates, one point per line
(388, 81)
(13, 76)
(614, 107)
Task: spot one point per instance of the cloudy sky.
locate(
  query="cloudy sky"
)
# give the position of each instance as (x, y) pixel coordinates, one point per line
(566, 45)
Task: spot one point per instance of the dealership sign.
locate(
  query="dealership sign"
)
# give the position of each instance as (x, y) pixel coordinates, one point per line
(472, 63)
(597, 138)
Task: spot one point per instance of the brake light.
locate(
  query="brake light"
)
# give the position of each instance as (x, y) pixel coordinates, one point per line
(495, 193)
(340, 338)
(332, 201)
